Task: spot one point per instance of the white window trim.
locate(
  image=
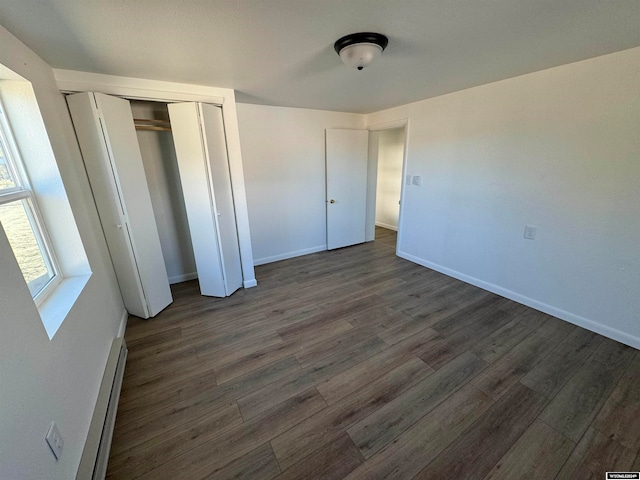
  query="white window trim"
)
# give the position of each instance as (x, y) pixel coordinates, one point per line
(39, 160)
(24, 191)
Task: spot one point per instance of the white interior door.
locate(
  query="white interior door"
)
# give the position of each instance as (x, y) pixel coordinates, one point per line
(198, 134)
(346, 163)
(107, 138)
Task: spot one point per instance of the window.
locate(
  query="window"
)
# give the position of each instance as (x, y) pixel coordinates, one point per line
(21, 221)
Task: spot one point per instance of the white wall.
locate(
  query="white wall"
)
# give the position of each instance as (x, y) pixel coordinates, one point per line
(558, 149)
(389, 184)
(161, 169)
(44, 380)
(283, 154)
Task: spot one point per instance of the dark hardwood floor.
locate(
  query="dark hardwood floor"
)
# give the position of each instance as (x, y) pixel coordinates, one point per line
(357, 364)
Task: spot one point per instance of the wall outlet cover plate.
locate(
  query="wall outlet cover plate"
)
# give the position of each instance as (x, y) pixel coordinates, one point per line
(530, 232)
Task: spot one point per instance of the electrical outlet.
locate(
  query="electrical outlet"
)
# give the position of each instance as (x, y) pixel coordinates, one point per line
(530, 232)
(417, 180)
(54, 439)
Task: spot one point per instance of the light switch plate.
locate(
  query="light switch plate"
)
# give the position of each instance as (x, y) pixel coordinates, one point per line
(54, 439)
(417, 180)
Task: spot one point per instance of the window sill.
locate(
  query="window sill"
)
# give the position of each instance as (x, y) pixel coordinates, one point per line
(55, 308)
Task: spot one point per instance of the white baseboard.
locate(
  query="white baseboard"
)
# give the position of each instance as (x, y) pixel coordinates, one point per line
(250, 283)
(183, 278)
(285, 256)
(583, 322)
(388, 227)
(194, 275)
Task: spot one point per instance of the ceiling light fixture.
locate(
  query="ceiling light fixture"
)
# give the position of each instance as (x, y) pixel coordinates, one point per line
(358, 50)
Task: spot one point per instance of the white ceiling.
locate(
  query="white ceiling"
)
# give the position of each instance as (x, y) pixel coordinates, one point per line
(280, 52)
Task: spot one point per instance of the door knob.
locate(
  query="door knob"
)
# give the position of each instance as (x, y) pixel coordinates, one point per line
(332, 201)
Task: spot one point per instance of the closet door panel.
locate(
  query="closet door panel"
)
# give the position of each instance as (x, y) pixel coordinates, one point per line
(105, 192)
(198, 199)
(122, 143)
(216, 146)
(107, 138)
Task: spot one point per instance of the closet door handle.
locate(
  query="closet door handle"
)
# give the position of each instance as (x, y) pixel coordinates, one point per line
(332, 201)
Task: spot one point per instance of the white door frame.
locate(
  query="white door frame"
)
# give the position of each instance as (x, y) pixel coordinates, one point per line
(372, 180)
(69, 81)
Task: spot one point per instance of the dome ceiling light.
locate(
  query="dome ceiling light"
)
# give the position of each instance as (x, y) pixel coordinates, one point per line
(358, 50)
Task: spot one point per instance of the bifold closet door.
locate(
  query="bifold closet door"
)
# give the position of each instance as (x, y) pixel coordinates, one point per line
(201, 150)
(106, 134)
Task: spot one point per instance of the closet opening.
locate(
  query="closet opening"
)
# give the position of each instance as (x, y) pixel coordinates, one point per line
(157, 148)
(162, 186)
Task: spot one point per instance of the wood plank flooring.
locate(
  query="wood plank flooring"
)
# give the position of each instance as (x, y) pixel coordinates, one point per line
(357, 364)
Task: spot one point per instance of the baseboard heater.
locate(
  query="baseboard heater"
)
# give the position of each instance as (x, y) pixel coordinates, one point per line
(93, 463)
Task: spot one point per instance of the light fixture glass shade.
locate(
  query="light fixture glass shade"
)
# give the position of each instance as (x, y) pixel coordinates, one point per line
(360, 55)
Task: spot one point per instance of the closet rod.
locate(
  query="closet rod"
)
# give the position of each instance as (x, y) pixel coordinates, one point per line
(150, 120)
(153, 127)
(151, 124)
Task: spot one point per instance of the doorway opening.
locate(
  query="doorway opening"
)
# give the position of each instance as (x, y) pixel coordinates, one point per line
(389, 145)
